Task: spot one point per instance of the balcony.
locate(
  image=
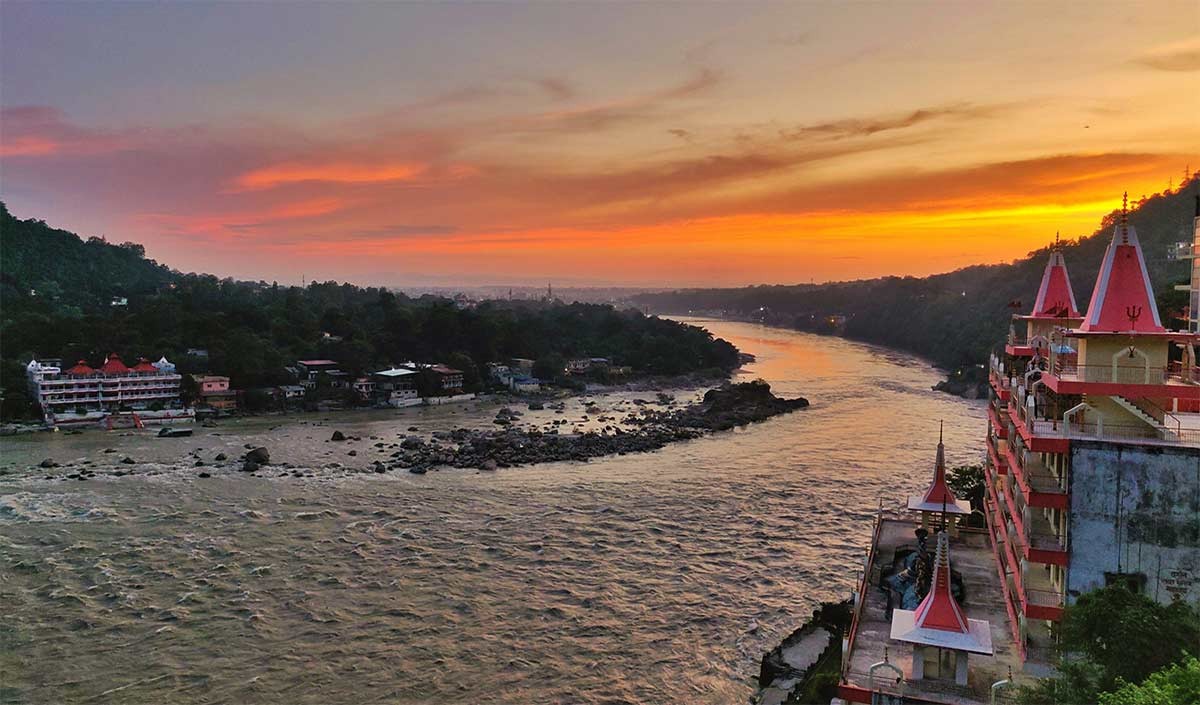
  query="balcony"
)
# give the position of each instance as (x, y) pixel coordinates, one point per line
(1039, 486)
(995, 455)
(1040, 599)
(1045, 435)
(1045, 545)
(1017, 346)
(1067, 376)
(1000, 383)
(999, 425)
(1039, 434)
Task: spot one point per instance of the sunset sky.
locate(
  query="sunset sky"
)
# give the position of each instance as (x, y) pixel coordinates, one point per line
(640, 144)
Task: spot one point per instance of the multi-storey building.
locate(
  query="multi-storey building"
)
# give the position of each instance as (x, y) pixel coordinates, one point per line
(84, 394)
(213, 391)
(1093, 470)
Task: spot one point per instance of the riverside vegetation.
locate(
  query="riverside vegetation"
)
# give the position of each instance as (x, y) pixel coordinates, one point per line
(59, 291)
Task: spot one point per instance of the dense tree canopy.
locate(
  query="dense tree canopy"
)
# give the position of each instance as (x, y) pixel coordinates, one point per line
(1113, 637)
(57, 302)
(1178, 683)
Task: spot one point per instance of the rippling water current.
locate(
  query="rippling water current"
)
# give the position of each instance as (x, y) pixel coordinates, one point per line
(653, 578)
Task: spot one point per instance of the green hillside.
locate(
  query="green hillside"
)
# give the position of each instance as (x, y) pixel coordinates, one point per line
(37, 260)
(57, 302)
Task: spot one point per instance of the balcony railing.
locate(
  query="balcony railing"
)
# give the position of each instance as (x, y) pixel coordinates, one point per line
(1067, 367)
(1035, 422)
(1190, 373)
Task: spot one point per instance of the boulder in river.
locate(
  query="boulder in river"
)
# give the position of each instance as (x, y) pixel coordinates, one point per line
(249, 466)
(48, 463)
(259, 456)
(337, 436)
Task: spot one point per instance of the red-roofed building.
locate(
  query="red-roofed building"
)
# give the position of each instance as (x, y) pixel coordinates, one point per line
(113, 365)
(1054, 307)
(143, 365)
(450, 379)
(940, 633)
(85, 393)
(82, 369)
(1093, 449)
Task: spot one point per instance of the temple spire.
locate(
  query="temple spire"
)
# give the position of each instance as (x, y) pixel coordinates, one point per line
(939, 609)
(1123, 299)
(1055, 297)
(938, 497)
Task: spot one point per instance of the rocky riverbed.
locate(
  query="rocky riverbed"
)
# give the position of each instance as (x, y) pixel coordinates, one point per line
(645, 425)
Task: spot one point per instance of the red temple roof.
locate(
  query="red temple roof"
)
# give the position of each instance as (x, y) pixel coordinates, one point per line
(938, 496)
(1055, 299)
(81, 368)
(143, 365)
(113, 365)
(939, 620)
(1123, 300)
(939, 609)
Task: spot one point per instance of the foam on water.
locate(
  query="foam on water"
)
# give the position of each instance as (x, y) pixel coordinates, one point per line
(653, 578)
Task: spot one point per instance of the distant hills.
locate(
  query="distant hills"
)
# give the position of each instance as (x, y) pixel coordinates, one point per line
(956, 318)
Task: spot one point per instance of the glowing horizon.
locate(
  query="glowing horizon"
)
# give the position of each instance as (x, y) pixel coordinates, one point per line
(726, 145)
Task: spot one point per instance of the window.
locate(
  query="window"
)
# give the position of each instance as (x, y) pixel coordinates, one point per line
(1134, 582)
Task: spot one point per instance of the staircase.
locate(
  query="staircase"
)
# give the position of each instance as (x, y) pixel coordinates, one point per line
(1162, 430)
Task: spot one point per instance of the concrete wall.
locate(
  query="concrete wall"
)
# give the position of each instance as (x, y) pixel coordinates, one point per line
(1099, 353)
(1135, 509)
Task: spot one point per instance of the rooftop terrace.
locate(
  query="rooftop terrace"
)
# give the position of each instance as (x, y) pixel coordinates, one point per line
(970, 555)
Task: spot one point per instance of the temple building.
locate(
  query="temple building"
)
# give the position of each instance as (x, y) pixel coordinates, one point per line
(1093, 467)
(942, 637)
(86, 394)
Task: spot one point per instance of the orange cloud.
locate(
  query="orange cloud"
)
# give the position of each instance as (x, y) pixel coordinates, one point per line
(1179, 56)
(29, 146)
(341, 173)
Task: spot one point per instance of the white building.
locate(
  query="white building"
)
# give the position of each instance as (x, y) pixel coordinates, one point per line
(84, 393)
(396, 386)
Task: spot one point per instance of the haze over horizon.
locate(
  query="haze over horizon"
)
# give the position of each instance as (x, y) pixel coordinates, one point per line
(628, 145)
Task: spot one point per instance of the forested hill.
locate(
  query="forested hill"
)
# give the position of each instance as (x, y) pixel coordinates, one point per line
(60, 265)
(57, 301)
(954, 319)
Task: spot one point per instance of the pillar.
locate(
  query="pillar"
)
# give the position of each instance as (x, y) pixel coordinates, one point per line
(918, 662)
(960, 667)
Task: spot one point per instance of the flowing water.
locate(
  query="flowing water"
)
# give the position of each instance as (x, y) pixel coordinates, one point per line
(649, 578)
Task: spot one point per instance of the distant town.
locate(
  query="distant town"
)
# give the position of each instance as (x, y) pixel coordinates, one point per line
(112, 393)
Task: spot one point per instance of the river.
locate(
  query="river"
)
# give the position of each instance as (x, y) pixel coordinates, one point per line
(650, 578)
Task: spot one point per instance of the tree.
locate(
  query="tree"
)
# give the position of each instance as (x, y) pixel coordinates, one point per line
(1129, 635)
(463, 362)
(549, 367)
(968, 482)
(1178, 683)
(1122, 638)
